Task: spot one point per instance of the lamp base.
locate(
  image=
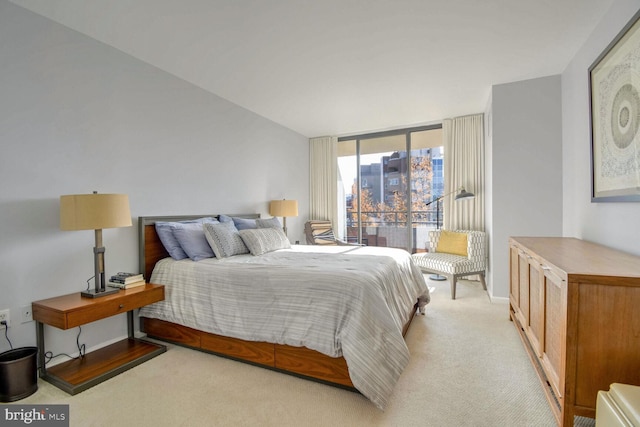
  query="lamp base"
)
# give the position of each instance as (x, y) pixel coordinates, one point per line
(437, 277)
(93, 294)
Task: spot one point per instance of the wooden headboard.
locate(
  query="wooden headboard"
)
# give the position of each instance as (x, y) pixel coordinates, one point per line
(150, 247)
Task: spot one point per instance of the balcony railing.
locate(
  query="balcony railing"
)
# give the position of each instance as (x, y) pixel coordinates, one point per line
(389, 228)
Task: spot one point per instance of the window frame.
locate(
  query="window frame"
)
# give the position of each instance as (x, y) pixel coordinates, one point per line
(381, 134)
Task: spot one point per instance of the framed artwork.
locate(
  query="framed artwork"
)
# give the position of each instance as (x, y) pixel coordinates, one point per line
(614, 85)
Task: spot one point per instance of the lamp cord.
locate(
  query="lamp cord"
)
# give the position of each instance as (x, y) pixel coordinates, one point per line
(89, 280)
(6, 332)
(49, 355)
(81, 350)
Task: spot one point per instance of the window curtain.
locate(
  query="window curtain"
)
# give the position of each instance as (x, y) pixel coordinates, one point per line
(323, 167)
(464, 167)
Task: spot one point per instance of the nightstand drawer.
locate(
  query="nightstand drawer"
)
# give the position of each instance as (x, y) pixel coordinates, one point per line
(124, 301)
(72, 310)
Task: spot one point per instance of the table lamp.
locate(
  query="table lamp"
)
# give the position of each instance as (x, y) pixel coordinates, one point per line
(283, 208)
(95, 212)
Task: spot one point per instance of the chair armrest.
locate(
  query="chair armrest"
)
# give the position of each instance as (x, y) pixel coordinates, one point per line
(434, 237)
(477, 248)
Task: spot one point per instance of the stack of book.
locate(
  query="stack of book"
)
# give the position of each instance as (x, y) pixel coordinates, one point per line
(126, 280)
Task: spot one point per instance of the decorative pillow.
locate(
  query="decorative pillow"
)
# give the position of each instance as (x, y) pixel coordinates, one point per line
(452, 243)
(263, 240)
(268, 223)
(192, 240)
(170, 243)
(224, 239)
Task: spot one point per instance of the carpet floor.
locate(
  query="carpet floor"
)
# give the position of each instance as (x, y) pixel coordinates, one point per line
(468, 368)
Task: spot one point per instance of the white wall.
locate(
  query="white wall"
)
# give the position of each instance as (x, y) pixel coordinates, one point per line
(77, 116)
(524, 183)
(533, 124)
(611, 224)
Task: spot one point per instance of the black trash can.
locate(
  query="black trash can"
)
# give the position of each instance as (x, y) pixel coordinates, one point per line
(18, 373)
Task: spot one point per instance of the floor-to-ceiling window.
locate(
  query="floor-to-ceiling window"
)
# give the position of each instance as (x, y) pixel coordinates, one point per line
(386, 180)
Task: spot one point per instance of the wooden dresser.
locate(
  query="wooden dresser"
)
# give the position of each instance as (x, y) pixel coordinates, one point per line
(576, 306)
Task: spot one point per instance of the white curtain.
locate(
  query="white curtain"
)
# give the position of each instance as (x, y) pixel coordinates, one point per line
(323, 179)
(464, 167)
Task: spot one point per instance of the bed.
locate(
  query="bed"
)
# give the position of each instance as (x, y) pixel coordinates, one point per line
(336, 315)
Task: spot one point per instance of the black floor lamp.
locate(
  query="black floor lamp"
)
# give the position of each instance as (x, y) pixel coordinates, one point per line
(462, 195)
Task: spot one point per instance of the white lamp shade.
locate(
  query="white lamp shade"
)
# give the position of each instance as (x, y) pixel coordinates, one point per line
(283, 208)
(94, 211)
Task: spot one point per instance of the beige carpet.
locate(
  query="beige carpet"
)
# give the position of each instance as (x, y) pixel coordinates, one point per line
(468, 368)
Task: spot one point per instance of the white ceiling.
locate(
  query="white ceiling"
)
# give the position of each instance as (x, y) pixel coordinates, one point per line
(336, 67)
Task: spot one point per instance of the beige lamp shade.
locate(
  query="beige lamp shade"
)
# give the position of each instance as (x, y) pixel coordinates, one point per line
(283, 208)
(94, 211)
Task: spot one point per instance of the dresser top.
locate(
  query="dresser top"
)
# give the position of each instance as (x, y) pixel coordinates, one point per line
(580, 257)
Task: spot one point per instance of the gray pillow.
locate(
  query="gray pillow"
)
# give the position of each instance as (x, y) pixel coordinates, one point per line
(268, 223)
(240, 223)
(263, 240)
(192, 240)
(169, 241)
(224, 239)
(244, 223)
(225, 218)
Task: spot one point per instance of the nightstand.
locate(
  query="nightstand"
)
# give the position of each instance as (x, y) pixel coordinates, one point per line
(69, 311)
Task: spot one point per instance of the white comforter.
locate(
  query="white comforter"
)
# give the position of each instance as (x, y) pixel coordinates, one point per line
(341, 301)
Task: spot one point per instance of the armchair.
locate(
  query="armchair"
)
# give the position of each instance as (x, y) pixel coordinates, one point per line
(320, 232)
(462, 263)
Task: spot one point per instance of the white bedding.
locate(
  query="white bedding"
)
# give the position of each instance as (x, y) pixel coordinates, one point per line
(341, 301)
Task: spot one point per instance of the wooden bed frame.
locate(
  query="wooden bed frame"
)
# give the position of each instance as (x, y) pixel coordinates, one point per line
(299, 361)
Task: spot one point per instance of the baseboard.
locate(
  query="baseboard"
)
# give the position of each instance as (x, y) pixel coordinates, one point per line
(499, 300)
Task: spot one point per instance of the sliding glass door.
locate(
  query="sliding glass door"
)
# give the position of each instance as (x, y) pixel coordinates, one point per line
(386, 180)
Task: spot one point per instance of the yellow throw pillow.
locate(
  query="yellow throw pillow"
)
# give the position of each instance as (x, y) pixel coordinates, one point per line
(452, 243)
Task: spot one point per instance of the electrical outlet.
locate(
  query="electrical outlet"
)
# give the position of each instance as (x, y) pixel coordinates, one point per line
(4, 317)
(25, 314)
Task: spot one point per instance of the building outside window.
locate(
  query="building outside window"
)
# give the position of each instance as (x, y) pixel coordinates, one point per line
(386, 180)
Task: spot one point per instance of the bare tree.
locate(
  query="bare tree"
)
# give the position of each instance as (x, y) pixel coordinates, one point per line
(394, 211)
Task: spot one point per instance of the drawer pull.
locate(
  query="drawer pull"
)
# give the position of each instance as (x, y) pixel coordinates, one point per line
(121, 305)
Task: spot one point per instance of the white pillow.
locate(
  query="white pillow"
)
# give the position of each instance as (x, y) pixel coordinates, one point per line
(263, 240)
(224, 239)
